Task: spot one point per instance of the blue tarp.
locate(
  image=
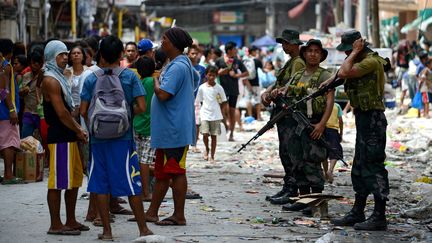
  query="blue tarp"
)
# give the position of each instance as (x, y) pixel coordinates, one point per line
(264, 41)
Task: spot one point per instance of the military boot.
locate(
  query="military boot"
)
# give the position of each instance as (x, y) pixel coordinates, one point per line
(356, 215)
(298, 206)
(377, 221)
(286, 197)
(278, 194)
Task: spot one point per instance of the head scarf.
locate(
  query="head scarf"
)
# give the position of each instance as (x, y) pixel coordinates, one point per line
(179, 38)
(52, 50)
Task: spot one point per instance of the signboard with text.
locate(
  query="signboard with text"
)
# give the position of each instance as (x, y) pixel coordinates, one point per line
(128, 3)
(228, 17)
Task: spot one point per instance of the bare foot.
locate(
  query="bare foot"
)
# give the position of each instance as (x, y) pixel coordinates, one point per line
(146, 232)
(105, 237)
(151, 219)
(171, 221)
(212, 160)
(206, 156)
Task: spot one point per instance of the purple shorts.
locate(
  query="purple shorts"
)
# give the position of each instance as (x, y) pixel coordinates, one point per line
(32, 119)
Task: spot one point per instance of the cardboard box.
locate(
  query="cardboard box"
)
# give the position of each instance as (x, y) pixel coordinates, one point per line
(29, 166)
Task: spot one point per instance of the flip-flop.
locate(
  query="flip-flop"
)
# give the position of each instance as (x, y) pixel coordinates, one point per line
(103, 237)
(123, 211)
(169, 222)
(192, 195)
(82, 227)
(13, 181)
(64, 232)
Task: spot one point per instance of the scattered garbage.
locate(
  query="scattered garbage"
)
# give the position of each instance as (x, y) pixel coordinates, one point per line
(424, 179)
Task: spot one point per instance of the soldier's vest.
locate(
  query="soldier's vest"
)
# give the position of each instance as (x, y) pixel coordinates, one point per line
(285, 73)
(297, 90)
(367, 92)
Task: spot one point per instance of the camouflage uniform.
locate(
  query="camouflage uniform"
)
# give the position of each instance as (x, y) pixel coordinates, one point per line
(306, 154)
(283, 126)
(366, 96)
(368, 173)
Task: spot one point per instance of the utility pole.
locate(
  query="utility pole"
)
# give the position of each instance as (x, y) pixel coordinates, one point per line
(363, 4)
(47, 8)
(318, 8)
(22, 22)
(270, 18)
(347, 13)
(73, 19)
(375, 23)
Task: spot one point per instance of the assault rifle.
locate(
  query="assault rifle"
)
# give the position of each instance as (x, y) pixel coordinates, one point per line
(302, 121)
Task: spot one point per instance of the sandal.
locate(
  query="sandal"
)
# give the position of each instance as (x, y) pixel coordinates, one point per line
(169, 222)
(82, 227)
(193, 195)
(64, 232)
(123, 211)
(13, 181)
(103, 237)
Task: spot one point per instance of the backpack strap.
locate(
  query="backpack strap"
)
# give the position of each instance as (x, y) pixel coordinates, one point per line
(118, 70)
(115, 71)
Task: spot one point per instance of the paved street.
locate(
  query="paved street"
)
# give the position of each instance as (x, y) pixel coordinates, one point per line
(233, 208)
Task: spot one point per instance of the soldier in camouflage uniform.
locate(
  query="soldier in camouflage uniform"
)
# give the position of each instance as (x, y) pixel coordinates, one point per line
(364, 73)
(290, 43)
(304, 150)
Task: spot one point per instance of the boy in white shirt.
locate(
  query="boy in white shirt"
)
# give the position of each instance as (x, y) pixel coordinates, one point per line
(212, 97)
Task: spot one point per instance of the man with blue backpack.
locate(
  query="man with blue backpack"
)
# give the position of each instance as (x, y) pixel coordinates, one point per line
(109, 99)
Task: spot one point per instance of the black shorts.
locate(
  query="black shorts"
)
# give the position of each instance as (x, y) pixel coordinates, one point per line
(232, 100)
(333, 139)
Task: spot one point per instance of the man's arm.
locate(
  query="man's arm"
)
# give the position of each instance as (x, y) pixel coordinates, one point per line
(160, 94)
(140, 105)
(265, 97)
(341, 128)
(319, 128)
(4, 84)
(84, 109)
(52, 91)
(348, 70)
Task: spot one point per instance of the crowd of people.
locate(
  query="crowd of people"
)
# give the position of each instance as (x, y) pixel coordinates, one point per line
(101, 107)
(413, 69)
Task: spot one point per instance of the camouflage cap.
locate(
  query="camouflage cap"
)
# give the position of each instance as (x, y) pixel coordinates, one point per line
(314, 42)
(290, 36)
(347, 40)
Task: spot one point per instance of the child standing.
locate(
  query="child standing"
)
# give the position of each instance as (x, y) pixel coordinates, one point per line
(425, 86)
(333, 134)
(212, 97)
(141, 122)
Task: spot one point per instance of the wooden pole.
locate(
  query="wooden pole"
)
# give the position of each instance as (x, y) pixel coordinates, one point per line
(375, 23)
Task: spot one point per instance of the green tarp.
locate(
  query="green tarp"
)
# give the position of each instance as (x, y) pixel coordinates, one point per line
(424, 16)
(202, 37)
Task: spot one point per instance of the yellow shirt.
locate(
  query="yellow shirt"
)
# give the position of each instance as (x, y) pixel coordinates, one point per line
(333, 121)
